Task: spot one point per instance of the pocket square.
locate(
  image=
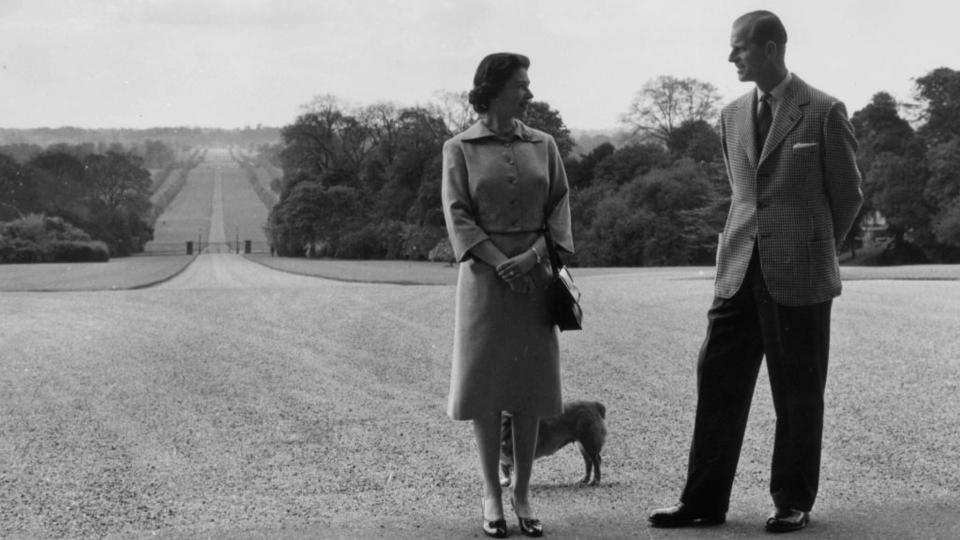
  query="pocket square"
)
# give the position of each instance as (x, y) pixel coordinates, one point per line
(804, 145)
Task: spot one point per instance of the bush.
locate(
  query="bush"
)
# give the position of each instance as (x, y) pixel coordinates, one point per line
(18, 250)
(38, 238)
(361, 244)
(66, 251)
(418, 241)
(442, 252)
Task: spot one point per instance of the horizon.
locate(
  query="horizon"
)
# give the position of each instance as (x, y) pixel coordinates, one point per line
(208, 64)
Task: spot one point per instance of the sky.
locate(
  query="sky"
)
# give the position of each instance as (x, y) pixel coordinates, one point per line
(236, 63)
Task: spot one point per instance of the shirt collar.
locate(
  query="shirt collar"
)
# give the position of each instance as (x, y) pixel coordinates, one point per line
(778, 91)
(520, 131)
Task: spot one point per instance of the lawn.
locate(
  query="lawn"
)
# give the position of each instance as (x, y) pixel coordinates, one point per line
(117, 274)
(317, 411)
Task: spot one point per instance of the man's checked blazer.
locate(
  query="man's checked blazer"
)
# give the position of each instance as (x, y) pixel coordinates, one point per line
(797, 200)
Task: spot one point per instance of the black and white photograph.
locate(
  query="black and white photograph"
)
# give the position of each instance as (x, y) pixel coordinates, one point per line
(434, 269)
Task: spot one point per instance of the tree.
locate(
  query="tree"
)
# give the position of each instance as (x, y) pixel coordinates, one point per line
(21, 152)
(60, 181)
(325, 141)
(879, 127)
(16, 195)
(697, 140)
(312, 217)
(939, 90)
(942, 190)
(668, 216)
(629, 162)
(157, 155)
(886, 140)
(117, 180)
(540, 116)
(418, 142)
(580, 172)
(897, 190)
(454, 108)
(666, 103)
(946, 225)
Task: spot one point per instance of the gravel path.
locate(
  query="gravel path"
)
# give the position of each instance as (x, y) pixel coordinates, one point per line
(239, 402)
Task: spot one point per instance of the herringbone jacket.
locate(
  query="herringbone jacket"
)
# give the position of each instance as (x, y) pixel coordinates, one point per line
(797, 200)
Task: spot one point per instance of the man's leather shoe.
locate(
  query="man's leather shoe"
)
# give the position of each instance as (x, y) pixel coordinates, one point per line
(682, 515)
(787, 520)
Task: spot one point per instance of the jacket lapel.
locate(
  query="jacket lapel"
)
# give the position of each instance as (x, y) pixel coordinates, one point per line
(789, 114)
(747, 120)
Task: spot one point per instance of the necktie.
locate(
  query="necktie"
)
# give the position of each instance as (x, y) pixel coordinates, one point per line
(764, 119)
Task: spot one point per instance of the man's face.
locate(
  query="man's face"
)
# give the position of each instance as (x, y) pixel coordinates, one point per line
(749, 58)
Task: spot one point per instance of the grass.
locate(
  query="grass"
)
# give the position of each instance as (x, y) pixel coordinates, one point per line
(116, 274)
(318, 411)
(137, 272)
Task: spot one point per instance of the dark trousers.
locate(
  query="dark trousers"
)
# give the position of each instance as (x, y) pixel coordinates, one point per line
(796, 342)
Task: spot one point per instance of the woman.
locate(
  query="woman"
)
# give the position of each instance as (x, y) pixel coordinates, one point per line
(502, 183)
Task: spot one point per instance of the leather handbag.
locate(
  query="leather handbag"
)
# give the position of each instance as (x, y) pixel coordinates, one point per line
(565, 296)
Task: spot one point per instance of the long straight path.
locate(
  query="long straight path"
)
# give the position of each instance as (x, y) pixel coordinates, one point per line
(230, 271)
(216, 208)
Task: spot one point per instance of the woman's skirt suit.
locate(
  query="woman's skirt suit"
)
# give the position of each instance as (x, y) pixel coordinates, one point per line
(505, 346)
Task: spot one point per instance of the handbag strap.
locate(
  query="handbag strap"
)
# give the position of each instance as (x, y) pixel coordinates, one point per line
(555, 261)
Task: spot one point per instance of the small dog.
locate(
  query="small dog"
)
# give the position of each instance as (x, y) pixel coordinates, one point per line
(581, 422)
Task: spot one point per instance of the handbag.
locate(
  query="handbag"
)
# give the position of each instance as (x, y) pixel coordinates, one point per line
(565, 296)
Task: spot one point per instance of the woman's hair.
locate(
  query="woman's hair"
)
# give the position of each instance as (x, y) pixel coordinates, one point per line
(492, 75)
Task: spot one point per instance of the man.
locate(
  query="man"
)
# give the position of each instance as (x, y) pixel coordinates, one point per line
(790, 155)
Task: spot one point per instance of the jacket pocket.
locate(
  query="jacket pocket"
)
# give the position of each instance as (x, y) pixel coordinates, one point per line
(823, 265)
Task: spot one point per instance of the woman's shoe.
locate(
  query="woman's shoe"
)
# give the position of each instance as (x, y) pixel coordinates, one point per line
(494, 529)
(528, 526)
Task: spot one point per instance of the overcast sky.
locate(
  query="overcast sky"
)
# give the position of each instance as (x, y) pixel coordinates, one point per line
(235, 63)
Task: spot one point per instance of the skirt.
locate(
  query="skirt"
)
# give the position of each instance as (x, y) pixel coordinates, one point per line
(505, 345)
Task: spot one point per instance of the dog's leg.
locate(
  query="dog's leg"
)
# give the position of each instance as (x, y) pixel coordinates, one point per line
(596, 470)
(591, 461)
(587, 463)
(506, 450)
(505, 474)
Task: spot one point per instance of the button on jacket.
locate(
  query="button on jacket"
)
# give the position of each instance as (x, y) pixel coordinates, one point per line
(492, 186)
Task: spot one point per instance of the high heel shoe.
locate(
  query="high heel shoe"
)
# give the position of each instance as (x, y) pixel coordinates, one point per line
(494, 529)
(528, 526)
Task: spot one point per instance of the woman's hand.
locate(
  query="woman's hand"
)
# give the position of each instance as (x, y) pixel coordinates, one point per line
(517, 266)
(522, 285)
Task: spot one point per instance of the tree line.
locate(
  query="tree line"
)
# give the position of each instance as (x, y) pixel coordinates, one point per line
(179, 138)
(365, 182)
(910, 157)
(77, 202)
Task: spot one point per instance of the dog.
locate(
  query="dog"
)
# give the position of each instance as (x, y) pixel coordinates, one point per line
(581, 422)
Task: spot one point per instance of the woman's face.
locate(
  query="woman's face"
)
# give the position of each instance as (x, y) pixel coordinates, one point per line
(513, 98)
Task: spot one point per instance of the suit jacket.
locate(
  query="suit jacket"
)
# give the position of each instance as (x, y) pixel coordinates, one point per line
(796, 201)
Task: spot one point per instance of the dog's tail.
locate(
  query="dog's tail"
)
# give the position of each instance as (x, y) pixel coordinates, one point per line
(602, 409)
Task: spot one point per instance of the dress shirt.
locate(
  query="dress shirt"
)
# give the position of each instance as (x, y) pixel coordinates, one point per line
(776, 95)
